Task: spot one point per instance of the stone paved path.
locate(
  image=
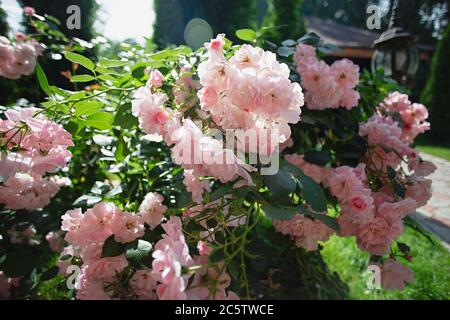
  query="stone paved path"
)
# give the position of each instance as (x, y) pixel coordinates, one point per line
(435, 216)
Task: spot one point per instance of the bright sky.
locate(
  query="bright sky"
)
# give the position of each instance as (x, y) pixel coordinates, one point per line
(124, 19)
(118, 19)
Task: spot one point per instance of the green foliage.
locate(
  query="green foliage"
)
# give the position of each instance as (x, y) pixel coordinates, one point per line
(436, 95)
(286, 19)
(347, 12)
(435, 150)
(224, 16)
(4, 28)
(58, 9)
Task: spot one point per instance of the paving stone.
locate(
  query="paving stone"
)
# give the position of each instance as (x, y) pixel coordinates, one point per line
(436, 214)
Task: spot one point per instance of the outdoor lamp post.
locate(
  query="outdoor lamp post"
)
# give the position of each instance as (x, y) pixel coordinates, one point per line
(396, 52)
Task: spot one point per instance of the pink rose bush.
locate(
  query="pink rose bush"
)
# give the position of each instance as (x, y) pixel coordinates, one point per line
(166, 280)
(170, 193)
(327, 86)
(36, 146)
(18, 58)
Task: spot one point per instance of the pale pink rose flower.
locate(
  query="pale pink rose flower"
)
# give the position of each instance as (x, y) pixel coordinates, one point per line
(396, 102)
(208, 97)
(343, 182)
(156, 79)
(397, 210)
(149, 109)
(97, 222)
(216, 45)
(64, 264)
(221, 278)
(419, 190)
(347, 228)
(71, 222)
(143, 285)
(174, 290)
(20, 36)
(29, 11)
(346, 73)
(27, 236)
(317, 77)
(305, 55)
(394, 275)
(204, 249)
(375, 237)
(55, 241)
(152, 209)
(349, 99)
(195, 186)
(90, 289)
(127, 227)
(6, 285)
(29, 192)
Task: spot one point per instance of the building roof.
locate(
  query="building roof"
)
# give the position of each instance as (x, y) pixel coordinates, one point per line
(345, 36)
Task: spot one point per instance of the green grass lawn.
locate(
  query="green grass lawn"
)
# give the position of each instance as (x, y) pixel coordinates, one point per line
(441, 152)
(431, 267)
(438, 150)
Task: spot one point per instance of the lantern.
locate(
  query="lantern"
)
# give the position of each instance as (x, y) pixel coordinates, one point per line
(396, 52)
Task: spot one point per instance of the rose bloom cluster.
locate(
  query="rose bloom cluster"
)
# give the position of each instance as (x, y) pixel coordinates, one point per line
(6, 284)
(18, 58)
(326, 87)
(250, 91)
(373, 212)
(35, 146)
(413, 115)
(172, 268)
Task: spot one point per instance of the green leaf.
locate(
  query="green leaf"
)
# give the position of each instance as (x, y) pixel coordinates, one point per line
(113, 63)
(311, 38)
(50, 273)
(82, 60)
(289, 43)
(391, 172)
(82, 78)
(88, 107)
(87, 201)
(19, 261)
(138, 253)
(100, 120)
(246, 35)
(353, 149)
(282, 183)
(413, 224)
(278, 213)
(320, 158)
(399, 189)
(313, 193)
(285, 51)
(404, 248)
(220, 192)
(217, 256)
(121, 150)
(327, 220)
(112, 248)
(124, 118)
(43, 81)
